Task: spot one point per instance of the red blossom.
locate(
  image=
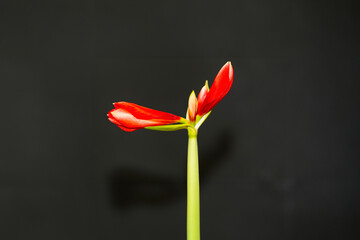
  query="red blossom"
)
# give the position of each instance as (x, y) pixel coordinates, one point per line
(221, 86)
(130, 117)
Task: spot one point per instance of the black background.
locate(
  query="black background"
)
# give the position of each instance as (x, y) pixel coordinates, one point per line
(279, 155)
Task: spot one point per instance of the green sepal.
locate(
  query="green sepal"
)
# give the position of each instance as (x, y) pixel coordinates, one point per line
(167, 128)
(185, 121)
(201, 120)
(207, 85)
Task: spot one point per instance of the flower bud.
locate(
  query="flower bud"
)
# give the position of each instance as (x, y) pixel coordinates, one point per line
(193, 106)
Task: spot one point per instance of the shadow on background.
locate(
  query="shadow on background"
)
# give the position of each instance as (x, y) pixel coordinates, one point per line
(130, 187)
(213, 156)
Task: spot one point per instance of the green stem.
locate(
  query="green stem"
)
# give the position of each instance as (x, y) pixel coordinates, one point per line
(193, 194)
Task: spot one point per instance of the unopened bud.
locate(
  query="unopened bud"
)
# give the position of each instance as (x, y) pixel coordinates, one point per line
(192, 108)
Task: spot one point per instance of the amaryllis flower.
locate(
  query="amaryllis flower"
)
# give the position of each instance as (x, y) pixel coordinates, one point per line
(209, 98)
(130, 117)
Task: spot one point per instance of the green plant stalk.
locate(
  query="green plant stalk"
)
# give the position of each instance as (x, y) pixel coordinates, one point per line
(193, 193)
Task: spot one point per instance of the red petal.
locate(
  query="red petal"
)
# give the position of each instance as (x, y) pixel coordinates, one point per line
(113, 120)
(129, 116)
(141, 112)
(202, 96)
(221, 86)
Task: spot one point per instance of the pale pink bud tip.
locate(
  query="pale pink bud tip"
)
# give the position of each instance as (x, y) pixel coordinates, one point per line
(193, 106)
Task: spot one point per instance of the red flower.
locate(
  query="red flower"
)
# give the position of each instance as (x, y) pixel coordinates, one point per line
(207, 99)
(130, 117)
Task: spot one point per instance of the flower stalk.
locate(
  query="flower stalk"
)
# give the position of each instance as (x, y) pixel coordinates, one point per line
(193, 189)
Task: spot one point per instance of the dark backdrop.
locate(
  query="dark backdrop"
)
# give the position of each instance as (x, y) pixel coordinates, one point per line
(279, 155)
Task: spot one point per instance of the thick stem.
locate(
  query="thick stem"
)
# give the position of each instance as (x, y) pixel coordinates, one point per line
(193, 194)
